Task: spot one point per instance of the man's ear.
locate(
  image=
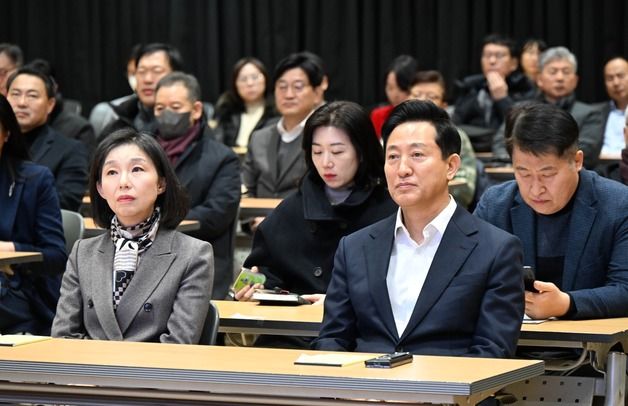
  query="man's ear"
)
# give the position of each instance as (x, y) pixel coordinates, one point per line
(453, 164)
(51, 104)
(197, 110)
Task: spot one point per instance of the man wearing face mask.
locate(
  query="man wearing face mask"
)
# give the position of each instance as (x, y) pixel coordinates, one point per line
(209, 170)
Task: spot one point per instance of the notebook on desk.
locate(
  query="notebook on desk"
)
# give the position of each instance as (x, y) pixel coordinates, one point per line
(13, 340)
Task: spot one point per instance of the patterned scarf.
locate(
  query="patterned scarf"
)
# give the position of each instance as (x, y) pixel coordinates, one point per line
(130, 243)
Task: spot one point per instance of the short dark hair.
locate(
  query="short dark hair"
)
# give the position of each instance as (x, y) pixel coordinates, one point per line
(447, 137)
(173, 55)
(404, 67)
(173, 201)
(13, 52)
(15, 148)
(534, 42)
(309, 62)
(502, 40)
(188, 81)
(430, 76)
(540, 128)
(355, 122)
(49, 84)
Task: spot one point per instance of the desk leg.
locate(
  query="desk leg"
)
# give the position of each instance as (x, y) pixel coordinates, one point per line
(615, 379)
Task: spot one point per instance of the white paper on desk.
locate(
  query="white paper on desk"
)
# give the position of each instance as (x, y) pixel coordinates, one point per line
(245, 316)
(528, 320)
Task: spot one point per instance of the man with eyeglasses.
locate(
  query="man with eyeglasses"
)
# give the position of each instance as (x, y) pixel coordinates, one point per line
(11, 59)
(274, 161)
(557, 81)
(485, 99)
(154, 61)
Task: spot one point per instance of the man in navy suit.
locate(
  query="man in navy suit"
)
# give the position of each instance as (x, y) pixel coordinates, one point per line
(31, 93)
(430, 279)
(573, 223)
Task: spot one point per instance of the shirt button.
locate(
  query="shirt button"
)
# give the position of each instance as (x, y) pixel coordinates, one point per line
(148, 307)
(90, 304)
(318, 271)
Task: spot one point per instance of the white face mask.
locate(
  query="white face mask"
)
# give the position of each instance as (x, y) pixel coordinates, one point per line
(132, 82)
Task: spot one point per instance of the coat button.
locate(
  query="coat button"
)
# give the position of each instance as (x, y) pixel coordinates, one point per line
(318, 271)
(90, 304)
(343, 226)
(148, 307)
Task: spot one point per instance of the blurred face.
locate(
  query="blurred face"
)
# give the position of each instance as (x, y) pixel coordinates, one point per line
(176, 98)
(251, 84)
(295, 96)
(497, 58)
(616, 80)
(150, 69)
(416, 172)
(30, 101)
(130, 184)
(334, 157)
(429, 91)
(7, 67)
(394, 93)
(557, 79)
(530, 61)
(546, 182)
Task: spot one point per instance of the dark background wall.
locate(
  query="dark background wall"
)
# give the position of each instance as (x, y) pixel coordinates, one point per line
(88, 41)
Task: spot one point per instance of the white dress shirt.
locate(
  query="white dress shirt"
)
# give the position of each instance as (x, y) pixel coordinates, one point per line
(614, 131)
(410, 263)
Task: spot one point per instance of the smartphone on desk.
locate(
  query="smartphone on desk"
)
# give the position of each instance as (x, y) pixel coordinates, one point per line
(248, 278)
(389, 360)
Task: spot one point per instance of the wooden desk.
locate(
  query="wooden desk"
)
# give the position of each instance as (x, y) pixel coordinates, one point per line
(250, 317)
(500, 173)
(256, 206)
(72, 371)
(10, 258)
(92, 230)
(595, 337)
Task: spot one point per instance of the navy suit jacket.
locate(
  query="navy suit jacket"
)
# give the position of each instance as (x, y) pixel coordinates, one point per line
(31, 219)
(595, 273)
(471, 304)
(67, 160)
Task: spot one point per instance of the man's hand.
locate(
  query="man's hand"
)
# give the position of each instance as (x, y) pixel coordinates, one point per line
(549, 302)
(6, 269)
(315, 298)
(245, 294)
(497, 85)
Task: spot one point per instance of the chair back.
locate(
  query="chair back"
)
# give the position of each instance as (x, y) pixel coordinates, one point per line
(73, 228)
(210, 329)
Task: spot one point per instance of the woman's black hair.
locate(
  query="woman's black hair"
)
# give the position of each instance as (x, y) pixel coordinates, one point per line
(355, 122)
(173, 201)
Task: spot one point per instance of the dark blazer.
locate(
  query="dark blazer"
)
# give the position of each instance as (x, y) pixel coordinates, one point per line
(259, 171)
(228, 121)
(166, 302)
(66, 159)
(210, 172)
(595, 273)
(31, 219)
(468, 110)
(471, 304)
(295, 245)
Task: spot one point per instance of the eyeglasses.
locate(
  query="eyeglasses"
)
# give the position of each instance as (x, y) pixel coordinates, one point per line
(496, 55)
(253, 77)
(297, 86)
(433, 97)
